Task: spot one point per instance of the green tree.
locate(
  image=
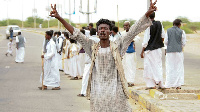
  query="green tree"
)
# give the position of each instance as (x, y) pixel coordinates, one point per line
(183, 19)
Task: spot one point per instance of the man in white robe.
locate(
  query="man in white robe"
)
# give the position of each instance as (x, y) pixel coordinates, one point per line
(66, 60)
(152, 54)
(175, 40)
(51, 72)
(59, 46)
(129, 59)
(86, 72)
(20, 48)
(81, 59)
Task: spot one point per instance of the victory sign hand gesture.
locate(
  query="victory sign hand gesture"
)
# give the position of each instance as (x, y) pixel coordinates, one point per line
(54, 12)
(152, 8)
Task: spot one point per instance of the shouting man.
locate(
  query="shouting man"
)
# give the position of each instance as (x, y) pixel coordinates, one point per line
(107, 85)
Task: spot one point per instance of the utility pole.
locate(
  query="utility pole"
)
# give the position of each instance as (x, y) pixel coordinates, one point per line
(48, 13)
(7, 14)
(58, 11)
(88, 14)
(22, 15)
(34, 15)
(148, 4)
(88, 10)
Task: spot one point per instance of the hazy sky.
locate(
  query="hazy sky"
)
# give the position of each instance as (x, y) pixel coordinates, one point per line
(132, 9)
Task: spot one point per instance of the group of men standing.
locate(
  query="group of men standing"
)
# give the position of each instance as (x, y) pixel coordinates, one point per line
(107, 81)
(174, 40)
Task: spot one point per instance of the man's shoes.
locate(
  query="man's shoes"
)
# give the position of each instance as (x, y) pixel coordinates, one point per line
(6, 54)
(131, 84)
(11, 55)
(81, 95)
(45, 88)
(56, 88)
(74, 78)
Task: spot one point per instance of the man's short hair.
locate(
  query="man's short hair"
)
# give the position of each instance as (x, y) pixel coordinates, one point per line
(93, 31)
(177, 22)
(83, 31)
(72, 40)
(83, 27)
(19, 33)
(152, 16)
(59, 33)
(66, 34)
(49, 33)
(113, 23)
(104, 21)
(127, 22)
(115, 29)
(91, 24)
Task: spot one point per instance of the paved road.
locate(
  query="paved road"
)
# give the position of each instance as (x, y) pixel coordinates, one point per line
(19, 82)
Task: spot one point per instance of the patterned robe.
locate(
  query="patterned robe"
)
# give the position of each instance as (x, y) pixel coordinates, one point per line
(106, 91)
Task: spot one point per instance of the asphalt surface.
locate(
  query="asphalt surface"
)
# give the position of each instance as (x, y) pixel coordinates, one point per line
(19, 83)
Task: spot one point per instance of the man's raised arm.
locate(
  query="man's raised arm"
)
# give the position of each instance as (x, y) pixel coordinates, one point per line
(141, 25)
(55, 14)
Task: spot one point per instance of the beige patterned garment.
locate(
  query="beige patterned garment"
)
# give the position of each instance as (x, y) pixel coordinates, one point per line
(106, 88)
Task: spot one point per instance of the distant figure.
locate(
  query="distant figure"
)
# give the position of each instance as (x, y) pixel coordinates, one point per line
(115, 35)
(51, 72)
(20, 45)
(175, 40)
(40, 26)
(59, 46)
(129, 59)
(11, 32)
(73, 51)
(90, 26)
(9, 51)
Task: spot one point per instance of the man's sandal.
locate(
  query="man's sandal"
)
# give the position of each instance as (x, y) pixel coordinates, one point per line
(178, 88)
(56, 88)
(131, 84)
(81, 95)
(150, 88)
(74, 78)
(45, 88)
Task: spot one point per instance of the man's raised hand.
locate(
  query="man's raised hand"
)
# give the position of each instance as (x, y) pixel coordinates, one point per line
(54, 12)
(152, 8)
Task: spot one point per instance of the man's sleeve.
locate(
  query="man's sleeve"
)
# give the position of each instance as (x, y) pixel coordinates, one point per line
(183, 39)
(146, 37)
(83, 40)
(17, 40)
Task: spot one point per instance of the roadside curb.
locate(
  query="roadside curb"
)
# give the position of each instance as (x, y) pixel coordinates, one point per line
(147, 101)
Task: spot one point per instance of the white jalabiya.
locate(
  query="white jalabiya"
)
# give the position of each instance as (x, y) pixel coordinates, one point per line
(117, 36)
(9, 47)
(59, 55)
(153, 73)
(87, 67)
(129, 62)
(51, 72)
(20, 52)
(66, 61)
(175, 66)
(73, 49)
(86, 74)
(129, 65)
